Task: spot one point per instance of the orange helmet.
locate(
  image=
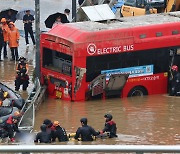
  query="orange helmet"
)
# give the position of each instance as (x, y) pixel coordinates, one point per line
(16, 113)
(3, 20)
(56, 123)
(174, 68)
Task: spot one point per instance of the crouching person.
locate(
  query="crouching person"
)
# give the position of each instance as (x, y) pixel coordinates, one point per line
(22, 77)
(59, 133)
(43, 136)
(11, 126)
(85, 132)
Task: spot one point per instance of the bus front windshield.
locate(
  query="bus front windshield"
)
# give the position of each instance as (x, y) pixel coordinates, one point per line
(57, 61)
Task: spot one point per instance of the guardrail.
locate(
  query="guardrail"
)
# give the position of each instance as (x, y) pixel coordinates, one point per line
(91, 148)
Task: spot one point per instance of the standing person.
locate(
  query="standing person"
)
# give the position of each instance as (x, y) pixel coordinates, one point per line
(110, 126)
(13, 38)
(28, 19)
(175, 81)
(1, 40)
(85, 132)
(5, 29)
(67, 13)
(43, 136)
(59, 133)
(57, 22)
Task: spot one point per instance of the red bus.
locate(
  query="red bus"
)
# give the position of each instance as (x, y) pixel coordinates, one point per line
(121, 58)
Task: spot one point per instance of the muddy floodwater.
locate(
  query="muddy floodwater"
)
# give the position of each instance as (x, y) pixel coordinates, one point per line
(147, 120)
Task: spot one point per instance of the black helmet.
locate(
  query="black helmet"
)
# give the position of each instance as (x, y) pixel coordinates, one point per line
(47, 122)
(22, 58)
(43, 127)
(108, 116)
(84, 121)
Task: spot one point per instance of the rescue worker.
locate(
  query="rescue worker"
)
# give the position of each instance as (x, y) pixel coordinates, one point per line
(85, 132)
(175, 81)
(49, 125)
(5, 29)
(13, 41)
(1, 40)
(59, 133)
(11, 126)
(28, 19)
(110, 126)
(22, 74)
(43, 136)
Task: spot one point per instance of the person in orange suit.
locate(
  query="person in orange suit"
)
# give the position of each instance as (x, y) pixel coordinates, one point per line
(5, 29)
(13, 38)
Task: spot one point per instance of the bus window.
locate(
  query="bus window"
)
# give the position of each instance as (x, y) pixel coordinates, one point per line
(57, 61)
(156, 57)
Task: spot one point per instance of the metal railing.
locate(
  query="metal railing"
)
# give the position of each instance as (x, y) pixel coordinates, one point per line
(91, 148)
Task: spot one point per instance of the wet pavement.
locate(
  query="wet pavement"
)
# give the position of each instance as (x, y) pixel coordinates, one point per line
(148, 120)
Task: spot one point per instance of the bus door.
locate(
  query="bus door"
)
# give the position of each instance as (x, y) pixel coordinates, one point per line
(108, 85)
(79, 76)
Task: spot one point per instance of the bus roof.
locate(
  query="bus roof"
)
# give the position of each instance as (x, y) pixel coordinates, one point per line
(81, 32)
(129, 22)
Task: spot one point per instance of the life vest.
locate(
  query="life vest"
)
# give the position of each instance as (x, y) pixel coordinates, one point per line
(112, 128)
(22, 66)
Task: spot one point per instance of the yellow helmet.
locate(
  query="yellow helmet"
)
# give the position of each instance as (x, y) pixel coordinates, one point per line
(16, 113)
(56, 123)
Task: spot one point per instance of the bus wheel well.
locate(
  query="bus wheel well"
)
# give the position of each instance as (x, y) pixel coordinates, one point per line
(138, 91)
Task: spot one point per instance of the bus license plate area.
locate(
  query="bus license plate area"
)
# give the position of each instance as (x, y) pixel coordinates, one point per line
(58, 94)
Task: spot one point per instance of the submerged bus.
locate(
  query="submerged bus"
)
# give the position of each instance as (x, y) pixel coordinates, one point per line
(122, 58)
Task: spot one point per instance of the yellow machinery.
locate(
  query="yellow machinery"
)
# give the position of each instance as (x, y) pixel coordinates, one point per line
(142, 7)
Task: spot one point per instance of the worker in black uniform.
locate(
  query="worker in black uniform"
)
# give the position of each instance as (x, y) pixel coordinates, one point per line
(43, 136)
(22, 74)
(175, 81)
(28, 19)
(110, 126)
(59, 133)
(11, 126)
(85, 132)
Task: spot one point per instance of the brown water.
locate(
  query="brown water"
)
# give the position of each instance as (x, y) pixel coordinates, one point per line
(148, 120)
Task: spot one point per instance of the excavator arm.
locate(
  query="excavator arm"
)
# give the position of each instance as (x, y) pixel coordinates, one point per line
(172, 5)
